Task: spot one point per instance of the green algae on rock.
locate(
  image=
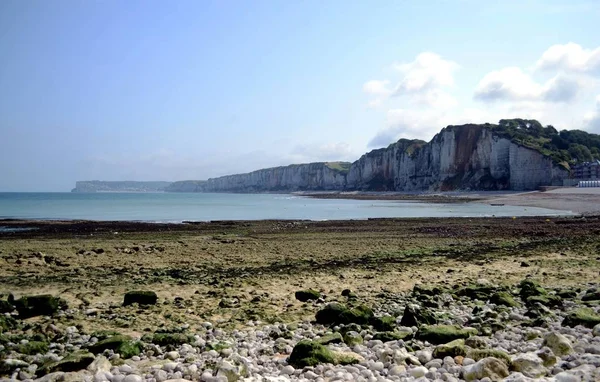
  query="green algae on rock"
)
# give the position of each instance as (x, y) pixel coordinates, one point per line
(441, 334)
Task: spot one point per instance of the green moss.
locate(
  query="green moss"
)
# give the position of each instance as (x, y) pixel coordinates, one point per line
(479, 354)
(129, 349)
(306, 295)
(530, 288)
(441, 334)
(112, 343)
(218, 346)
(72, 362)
(335, 314)
(7, 323)
(503, 298)
(583, 316)
(451, 349)
(104, 334)
(342, 167)
(165, 339)
(42, 305)
(333, 338)
(391, 336)
(384, 324)
(477, 291)
(33, 348)
(546, 300)
(309, 353)
(415, 316)
(353, 338)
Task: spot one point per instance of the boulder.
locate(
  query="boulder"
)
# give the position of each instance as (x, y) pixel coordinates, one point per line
(479, 354)
(591, 295)
(6, 307)
(306, 295)
(531, 288)
(391, 336)
(529, 364)
(140, 297)
(490, 367)
(333, 338)
(335, 314)
(309, 353)
(73, 362)
(384, 324)
(451, 349)
(124, 345)
(441, 334)
(596, 330)
(559, 344)
(417, 316)
(41, 305)
(503, 298)
(582, 316)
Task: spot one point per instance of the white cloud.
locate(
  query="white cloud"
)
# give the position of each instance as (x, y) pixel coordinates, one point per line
(427, 71)
(403, 123)
(571, 57)
(422, 79)
(377, 87)
(592, 119)
(512, 84)
(337, 151)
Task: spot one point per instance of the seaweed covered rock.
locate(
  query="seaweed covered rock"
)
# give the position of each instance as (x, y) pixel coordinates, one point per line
(582, 316)
(309, 353)
(7, 323)
(479, 354)
(451, 349)
(480, 291)
(73, 362)
(124, 345)
(503, 298)
(414, 315)
(335, 314)
(559, 344)
(441, 334)
(591, 295)
(333, 338)
(384, 324)
(41, 305)
(306, 295)
(142, 297)
(6, 306)
(33, 348)
(530, 288)
(170, 339)
(391, 336)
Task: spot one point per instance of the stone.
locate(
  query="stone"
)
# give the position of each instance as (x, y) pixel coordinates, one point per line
(140, 297)
(441, 334)
(101, 363)
(384, 324)
(397, 370)
(424, 356)
(172, 355)
(231, 371)
(124, 345)
(451, 349)
(309, 353)
(490, 367)
(73, 362)
(352, 338)
(503, 298)
(559, 344)
(307, 295)
(416, 316)
(529, 364)
(335, 314)
(418, 372)
(133, 378)
(6, 307)
(582, 316)
(479, 354)
(476, 342)
(547, 356)
(596, 330)
(592, 295)
(41, 305)
(333, 338)
(391, 336)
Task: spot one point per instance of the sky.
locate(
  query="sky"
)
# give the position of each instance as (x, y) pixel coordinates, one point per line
(175, 90)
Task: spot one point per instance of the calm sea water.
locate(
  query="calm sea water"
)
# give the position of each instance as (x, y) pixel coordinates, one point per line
(175, 207)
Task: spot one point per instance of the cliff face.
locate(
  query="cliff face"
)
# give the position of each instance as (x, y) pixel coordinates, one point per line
(459, 157)
(311, 176)
(119, 186)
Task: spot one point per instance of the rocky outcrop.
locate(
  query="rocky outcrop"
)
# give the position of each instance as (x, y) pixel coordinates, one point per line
(459, 157)
(119, 186)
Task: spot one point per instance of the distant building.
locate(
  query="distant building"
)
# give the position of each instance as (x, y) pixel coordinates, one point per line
(587, 170)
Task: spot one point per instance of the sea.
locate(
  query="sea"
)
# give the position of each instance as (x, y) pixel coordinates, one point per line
(179, 207)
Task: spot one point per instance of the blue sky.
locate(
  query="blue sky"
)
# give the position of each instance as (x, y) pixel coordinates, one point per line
(157, 90)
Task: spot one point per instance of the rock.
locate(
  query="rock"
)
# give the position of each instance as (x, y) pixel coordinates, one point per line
(333, 338)
(133, 378)
(8, 366)
(140, 297)
(547, 356)
(73, 362)
(476, 342)
(397, 370)
(384, 324)
(479, 291)
(566, 377)
(441, 334)
(306, 295)
(6, 307)
(335, 314)
(173, 339)
(121, 344)
(529, 364)
(582, 316)
(503, 298)
(479, 354)
(592, 295)
(352, 338)
(309, 353)
(424, 356)
(101, 363)
(596, 330)
(416, 316)
(391, 336)
(530, 288)
(451, 349)
(490, 367)
(33, 347)
(559, 344)
(172, 355)
(231, 372)
(418, 372)
(41, 305)
(7, 323)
